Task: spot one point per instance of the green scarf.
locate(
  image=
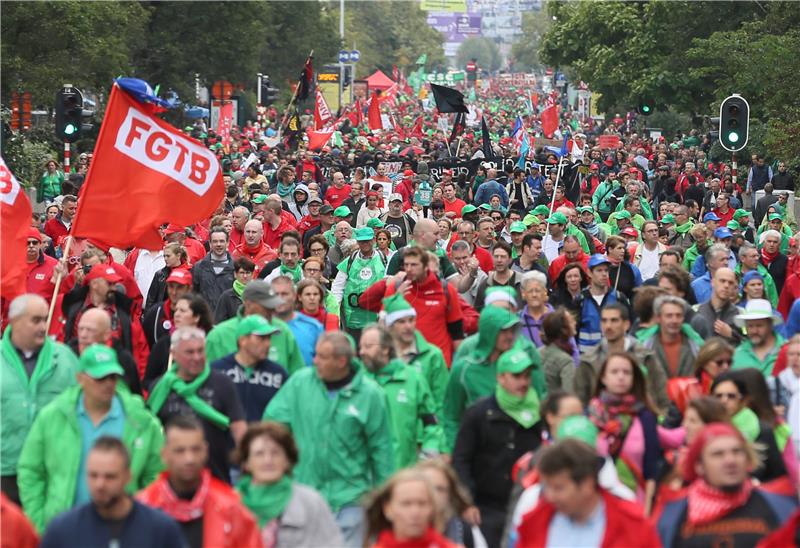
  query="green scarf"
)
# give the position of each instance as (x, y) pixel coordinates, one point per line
(267, 502)
(238, 288)
(43, 361)
(296, 273)
(170, 382)
(747, 422)
(524, 410)
(685, 227)
(285, 191)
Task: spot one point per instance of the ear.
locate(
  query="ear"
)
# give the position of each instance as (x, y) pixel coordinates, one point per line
(698, 468)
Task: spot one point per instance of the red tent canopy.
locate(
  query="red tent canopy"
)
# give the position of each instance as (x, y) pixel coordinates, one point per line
(379, 81)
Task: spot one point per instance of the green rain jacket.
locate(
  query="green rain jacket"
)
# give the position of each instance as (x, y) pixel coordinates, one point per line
(50, 460)
(473, 376)
(410, 402)
(283, 350)
(21, 398)
(344, 437)
(429, 362)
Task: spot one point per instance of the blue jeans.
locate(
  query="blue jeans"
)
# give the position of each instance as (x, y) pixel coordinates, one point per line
(350, 520)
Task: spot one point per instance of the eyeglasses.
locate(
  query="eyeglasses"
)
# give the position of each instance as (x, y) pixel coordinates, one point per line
(317, 250)
(727, 396)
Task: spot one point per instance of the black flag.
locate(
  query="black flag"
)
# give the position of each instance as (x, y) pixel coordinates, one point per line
(488, 151)
(306, 79)
(448, 99)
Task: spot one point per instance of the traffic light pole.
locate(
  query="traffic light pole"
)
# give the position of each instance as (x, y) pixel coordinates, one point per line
(67, 151)
(734, 169)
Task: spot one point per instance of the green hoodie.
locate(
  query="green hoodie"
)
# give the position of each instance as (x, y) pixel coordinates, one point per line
(410, 402)
(429, 362)
(602, 194)
(50, 459)
(22, 398)
(283, 350)
(691, 256)
(647, 213)
(344, 437)
(473, 376)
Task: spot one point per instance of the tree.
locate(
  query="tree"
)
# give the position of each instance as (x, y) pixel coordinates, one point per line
(525, 50)
(86, 44)
(483, 49)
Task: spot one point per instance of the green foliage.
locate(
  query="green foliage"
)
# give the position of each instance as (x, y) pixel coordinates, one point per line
(526, 50)
(27, 153)
(483, 49)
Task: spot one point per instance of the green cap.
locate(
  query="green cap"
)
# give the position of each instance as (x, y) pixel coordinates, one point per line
(375, 222)
(260, 199)
(255, 325)
(775, 217)
(341, 211)
(515, 360)
(669, 218)
(541, 210)
(733, 225)
(363, 234)
(557, 218)
(517, 226)
(100, 361)
(585, 209)
(578, 427)
(485, 207)
(469, 208)
(740, 214)
(624, 214)
(530, 219)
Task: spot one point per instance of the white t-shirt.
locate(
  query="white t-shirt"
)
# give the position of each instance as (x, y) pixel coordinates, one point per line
(649, 263)
(551, 247)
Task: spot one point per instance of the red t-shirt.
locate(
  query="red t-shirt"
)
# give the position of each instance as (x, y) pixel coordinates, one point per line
(335, 196)
(454, 207)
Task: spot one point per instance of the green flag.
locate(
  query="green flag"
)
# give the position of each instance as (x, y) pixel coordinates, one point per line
(471, 94)
(422, 59)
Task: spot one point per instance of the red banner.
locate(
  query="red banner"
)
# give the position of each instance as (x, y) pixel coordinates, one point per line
(15, 220)
(225, 123)
(550, 117)
(609, 141)
(374, 114)
(145, 173)
(322, 114)
(318, 139)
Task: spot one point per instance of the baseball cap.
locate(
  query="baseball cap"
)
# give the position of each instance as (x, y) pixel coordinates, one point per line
(375, 222)
(260, 199)
(395, 196)
(557, 218)
(723, 232)
(485, 207)
(255, 325)
(325, 210)
(598, 259)
(541, 210)
(174, 229)
(514, 360)
(775, 217)
(668, 219)
(530, 219)
(594, 166)
(341, 211)
(578, 427)
(585, 209)
(314, 200)
(180, 276)
(261, 293)
(630, 231)
(711, 216)
(751, 275)
(733, 225)
(740, 213)
(624, 214)
(363, 234)
(103, 271)
(517, 226)
(99, 361)
(469, 208)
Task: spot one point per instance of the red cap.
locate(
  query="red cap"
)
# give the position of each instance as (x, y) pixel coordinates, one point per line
(173, 229)
(180, 276)
(372, 193)
(103, 271)
(34, 234)
(447, 172)
(630, 231)
(711, 431)
(408, 173)
(594, 166)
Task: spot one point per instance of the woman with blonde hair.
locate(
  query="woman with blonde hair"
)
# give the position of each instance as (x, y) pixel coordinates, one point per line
(403, 513)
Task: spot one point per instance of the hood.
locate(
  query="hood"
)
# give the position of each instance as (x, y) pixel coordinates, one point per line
(422, 168)
(302, 188)
(492, 320)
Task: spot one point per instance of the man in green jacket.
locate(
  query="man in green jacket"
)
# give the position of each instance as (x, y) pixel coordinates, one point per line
(52, 466)
(34, 370)
(340, 420)
(763, 343)
(408, 397)
(258, 298)
(474, 372)
(413, 349)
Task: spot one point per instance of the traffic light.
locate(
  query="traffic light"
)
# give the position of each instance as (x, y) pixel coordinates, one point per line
(645, 107)
(734, 123)
(269, 94)
(70, 115)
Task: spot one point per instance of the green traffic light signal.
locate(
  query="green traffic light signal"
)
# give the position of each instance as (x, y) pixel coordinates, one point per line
(70, 129)
(733, 137)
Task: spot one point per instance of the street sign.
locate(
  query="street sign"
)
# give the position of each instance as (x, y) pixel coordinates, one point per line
(344, 56)
(355, 55)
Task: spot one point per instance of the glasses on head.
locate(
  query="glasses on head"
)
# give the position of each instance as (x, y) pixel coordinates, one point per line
(727, 396)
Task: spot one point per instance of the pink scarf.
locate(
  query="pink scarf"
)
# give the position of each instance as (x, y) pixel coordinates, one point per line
(707, 504)
(185, 510)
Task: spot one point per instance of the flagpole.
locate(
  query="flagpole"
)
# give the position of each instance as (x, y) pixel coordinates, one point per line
(460, 138)
(294, 96)
(553, 200)
(59, 277)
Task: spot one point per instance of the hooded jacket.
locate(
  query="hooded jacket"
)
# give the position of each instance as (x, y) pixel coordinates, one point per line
(301, 210)
(50, 459)
(473, 376)
(345, 440)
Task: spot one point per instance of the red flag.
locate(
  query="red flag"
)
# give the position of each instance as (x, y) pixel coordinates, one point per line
(356, 115)
(306, 79)
(15, 220)
(374, 114)
(322, 114)
(550, 117)
(416, 131)
(395, 73)
(318, 139)
(145, 173)
(225, 123)
(535, 99)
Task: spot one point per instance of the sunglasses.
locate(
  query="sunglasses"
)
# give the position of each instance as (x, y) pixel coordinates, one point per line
(33, 242)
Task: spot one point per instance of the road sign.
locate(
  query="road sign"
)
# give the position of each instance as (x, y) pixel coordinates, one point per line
(355, 55)
(344, 56)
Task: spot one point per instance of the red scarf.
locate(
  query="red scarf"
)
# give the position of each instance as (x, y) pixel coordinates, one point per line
(767, 258)
(613, 415)
(707, 504)
(320, 316)
(431, 539)
(184, 510)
